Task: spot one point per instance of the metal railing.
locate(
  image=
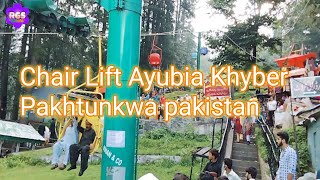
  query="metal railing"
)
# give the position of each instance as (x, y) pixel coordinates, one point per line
(270, 143)
(223, 143)
(224, 139)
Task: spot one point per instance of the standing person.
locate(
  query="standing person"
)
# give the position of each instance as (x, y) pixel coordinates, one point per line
(272, 106)
(213, 168)
(162, 99)
(238, 128)
(83, 147)
(288, 158)
(53, 135)
(253, 117)
(251, 173)
(160, 112)
(247, 129)
(229, 173)
(70, 137)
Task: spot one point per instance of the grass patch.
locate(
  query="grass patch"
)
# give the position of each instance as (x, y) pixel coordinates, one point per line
(165, 142)
(163, 169)
(244, 95)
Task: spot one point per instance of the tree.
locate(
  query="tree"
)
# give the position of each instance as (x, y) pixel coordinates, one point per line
(300, 25)
(239, 45)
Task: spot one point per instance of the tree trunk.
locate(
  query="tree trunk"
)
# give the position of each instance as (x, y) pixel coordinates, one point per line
(4, 73)
(15, 112)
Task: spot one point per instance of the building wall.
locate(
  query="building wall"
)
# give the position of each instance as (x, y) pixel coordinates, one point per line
(314, 143)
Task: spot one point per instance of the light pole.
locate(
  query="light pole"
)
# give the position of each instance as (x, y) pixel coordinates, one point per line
(198, 52)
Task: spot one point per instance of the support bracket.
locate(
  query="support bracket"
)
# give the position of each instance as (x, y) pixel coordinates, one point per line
(129, 5)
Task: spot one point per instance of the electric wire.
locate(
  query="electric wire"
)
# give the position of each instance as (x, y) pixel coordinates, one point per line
(295, 22)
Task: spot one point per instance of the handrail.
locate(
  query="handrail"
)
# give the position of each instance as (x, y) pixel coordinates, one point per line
(270, 139)
(223, 143)
(272, 150)
(224, 134)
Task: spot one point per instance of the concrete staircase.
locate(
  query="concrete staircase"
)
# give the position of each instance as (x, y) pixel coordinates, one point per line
(244, 156)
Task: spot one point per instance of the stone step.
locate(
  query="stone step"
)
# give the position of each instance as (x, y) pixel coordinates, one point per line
(244, 157)
(238, 151)
(245, 142)
(242, 163)
(244, 147)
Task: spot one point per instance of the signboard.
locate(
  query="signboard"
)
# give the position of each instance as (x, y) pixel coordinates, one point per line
(194, 55)
(204, 51)
(116, 139)
(305, 87)
(217, 91)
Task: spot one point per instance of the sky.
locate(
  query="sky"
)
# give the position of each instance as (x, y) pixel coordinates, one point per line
(207, 19)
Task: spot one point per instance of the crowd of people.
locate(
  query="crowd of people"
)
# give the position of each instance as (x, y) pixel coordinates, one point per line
(212, 171)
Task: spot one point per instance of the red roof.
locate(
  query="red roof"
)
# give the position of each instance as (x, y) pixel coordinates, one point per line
(295, 60)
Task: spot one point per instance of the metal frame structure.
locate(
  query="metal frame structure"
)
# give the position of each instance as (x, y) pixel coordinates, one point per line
(203, 152)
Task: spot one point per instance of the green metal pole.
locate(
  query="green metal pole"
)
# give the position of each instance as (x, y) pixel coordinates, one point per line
(119, 136)
(198, 53)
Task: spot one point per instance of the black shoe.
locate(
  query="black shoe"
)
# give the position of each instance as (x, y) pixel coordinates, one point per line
(81, 173)
(54, 166)
(71, 168)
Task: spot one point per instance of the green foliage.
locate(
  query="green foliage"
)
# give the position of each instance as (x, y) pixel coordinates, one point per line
(244, 35)
(262, 148)
(21, 160)
(164, 142)
(304, 155)
(301, 25)
(240, 45)
(243, 95)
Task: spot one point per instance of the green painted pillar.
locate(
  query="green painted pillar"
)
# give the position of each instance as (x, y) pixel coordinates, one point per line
(198, 53)
(119, 136)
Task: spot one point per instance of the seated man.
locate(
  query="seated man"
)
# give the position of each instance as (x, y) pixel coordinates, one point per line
(70, 137)
(84, 146)
(213, 168)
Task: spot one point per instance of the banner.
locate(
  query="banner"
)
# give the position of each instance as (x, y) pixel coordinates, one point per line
(217, 91)
(305, 87)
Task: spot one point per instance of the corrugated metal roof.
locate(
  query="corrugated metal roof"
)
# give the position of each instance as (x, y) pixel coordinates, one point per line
(19, 132)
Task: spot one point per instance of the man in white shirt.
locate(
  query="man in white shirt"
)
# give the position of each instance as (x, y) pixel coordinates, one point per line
(251, 173)
(229, 171)
(70, 137)
(272, 106)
